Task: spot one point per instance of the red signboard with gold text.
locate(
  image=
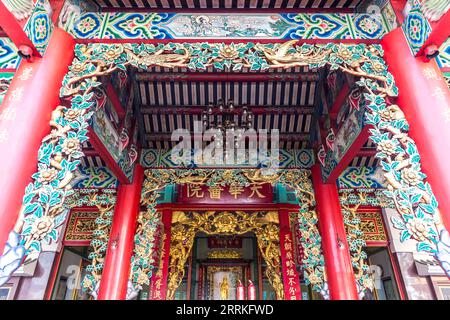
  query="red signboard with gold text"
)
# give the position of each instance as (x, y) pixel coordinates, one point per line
(253, 194)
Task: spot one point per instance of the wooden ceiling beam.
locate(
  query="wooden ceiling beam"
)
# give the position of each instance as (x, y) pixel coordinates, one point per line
(161, 9)
(184, 110)
(166, 136)
(311, 76)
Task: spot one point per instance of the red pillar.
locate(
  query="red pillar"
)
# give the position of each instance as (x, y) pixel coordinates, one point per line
(425, 100)
(291, 282)
(340, 276)
(113, 284)
(24, 120)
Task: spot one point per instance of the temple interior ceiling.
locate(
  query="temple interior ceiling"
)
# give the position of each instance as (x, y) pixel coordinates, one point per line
(225, 4)
(283, 100)
(286, 99)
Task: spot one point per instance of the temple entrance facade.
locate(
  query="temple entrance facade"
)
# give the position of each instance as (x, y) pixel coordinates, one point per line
(223, 154)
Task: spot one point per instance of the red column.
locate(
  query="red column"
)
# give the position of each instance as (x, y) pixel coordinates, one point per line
(113, 284)
(425, 101)
(341, 280)
(159, 283)
(291, 280)
(24, 120)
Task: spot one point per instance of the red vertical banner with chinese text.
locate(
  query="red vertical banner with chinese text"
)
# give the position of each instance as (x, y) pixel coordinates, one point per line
(291, 280)
(159, 281)
(200, 284)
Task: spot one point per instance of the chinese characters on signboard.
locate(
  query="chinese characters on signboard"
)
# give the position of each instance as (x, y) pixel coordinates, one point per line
(254, 193)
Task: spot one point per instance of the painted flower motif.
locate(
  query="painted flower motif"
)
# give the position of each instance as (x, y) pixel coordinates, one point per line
(142, 278)
(72, 114)
(228, 175)
(289, 176)
(113, 53)
(308, 215)
(47, 175)
(228, 52)
(415, 29)
(377, 66)
(86, 25)
(314, 279)
(140, 251)
(87, 283)
(41, 28)
(306, 234)
(344, 53)
(71, 145)
(56, 210)
(325, 292)
(42, 227)
(368, 25)
(417, 228)
(392, 112)
(315, 251)
(77, 67)
(410, 176)
(387, 147)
